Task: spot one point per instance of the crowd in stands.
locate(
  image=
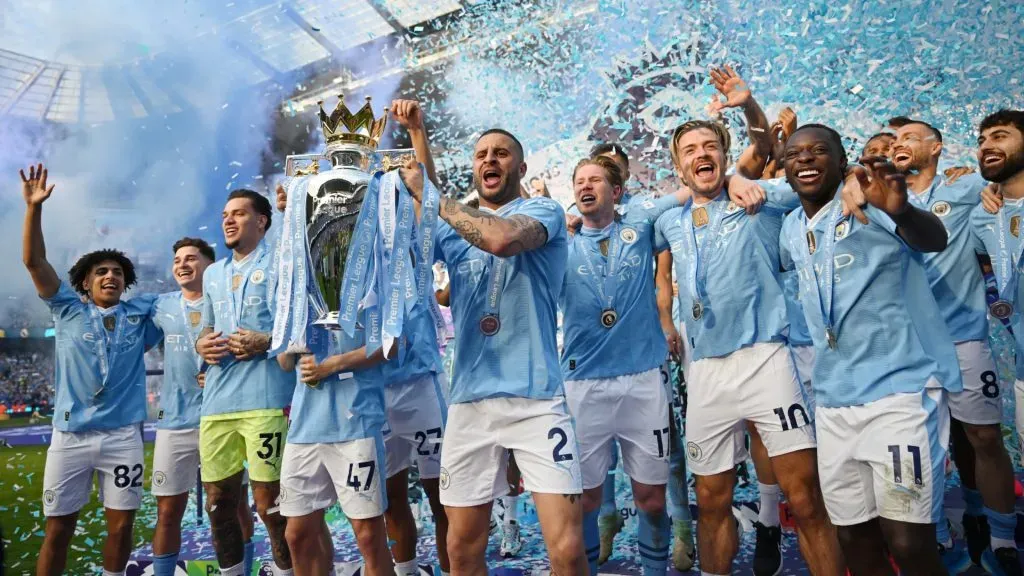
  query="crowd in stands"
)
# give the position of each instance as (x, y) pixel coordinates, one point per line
(26, 381)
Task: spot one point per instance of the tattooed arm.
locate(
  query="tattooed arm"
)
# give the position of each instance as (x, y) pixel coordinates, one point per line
(489, 232)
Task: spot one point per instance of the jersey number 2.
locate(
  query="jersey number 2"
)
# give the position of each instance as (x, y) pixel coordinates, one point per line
(563, 439)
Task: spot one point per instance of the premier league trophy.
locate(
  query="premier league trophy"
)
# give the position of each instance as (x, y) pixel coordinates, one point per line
(332, 227)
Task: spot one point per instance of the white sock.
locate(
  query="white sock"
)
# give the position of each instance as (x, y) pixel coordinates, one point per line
(236, 570)
(511, 508)
(410, 568)
(769, 511)
(278, 571)
(110, 573)
(998, 543)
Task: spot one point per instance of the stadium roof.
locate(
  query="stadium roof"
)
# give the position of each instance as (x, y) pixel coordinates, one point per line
(46, 81)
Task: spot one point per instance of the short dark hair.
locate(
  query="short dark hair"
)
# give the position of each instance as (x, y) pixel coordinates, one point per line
(519, 145)
(204, 248)
(86, 263)
(719, 129)
(880, 135)
(613, 148)
(1004, 117)
(898, 121)
(259, 202)
(935, 131)
(834, 136)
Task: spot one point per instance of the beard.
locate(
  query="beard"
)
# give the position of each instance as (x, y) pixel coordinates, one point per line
(1013, 165)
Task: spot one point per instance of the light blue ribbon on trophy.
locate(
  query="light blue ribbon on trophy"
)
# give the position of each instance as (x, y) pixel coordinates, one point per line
(293, 264)
(397, 262)
(697, 263)
(823, 284)
(107, 346)
(360, 260)
(424, 264)
(1008, 277)
(606, 284)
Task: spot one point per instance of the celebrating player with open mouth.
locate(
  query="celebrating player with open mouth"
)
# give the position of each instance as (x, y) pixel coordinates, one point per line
(100, 386)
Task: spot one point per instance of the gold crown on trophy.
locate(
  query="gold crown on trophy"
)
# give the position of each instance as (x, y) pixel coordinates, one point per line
(359, 128)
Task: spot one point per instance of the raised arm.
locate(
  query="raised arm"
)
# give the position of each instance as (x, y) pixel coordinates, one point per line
(410, 115)
(738, 95)
(35, 191)
(489, 232)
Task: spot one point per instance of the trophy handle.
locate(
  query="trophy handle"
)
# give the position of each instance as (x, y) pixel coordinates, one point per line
(292, 165)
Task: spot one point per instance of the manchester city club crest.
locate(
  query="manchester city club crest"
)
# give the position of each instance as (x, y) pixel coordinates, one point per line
(941, 208)
(628, 235)
(50, 497)
(732, 207)
(842, 229)
(159, 478)
(134, 319)
(258, 277)
(694, 451)
(444, 480)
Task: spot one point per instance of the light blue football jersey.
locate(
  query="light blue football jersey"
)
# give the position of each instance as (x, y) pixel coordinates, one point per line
(418, 353)
(954, 274)
(743, 302)
(890, 335)
(243, 297)
(521, 359)
(338, 410)
(635, 343)
(181, 399)
(1006, 261)
(99, 366)
(798, 333)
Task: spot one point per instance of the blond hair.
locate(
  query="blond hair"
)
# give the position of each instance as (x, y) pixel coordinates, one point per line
(719, 130)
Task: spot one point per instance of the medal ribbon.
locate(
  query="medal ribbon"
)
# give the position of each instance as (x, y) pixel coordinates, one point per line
(697, 263)
(608, 283)
(1009, 260)
(235, 315)
(191, 334)
(107, 347)
(496, 278)
(823, 283)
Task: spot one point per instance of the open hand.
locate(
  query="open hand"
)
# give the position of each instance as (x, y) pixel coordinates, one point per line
(730, 85)
(34, 188)
(883, 187)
